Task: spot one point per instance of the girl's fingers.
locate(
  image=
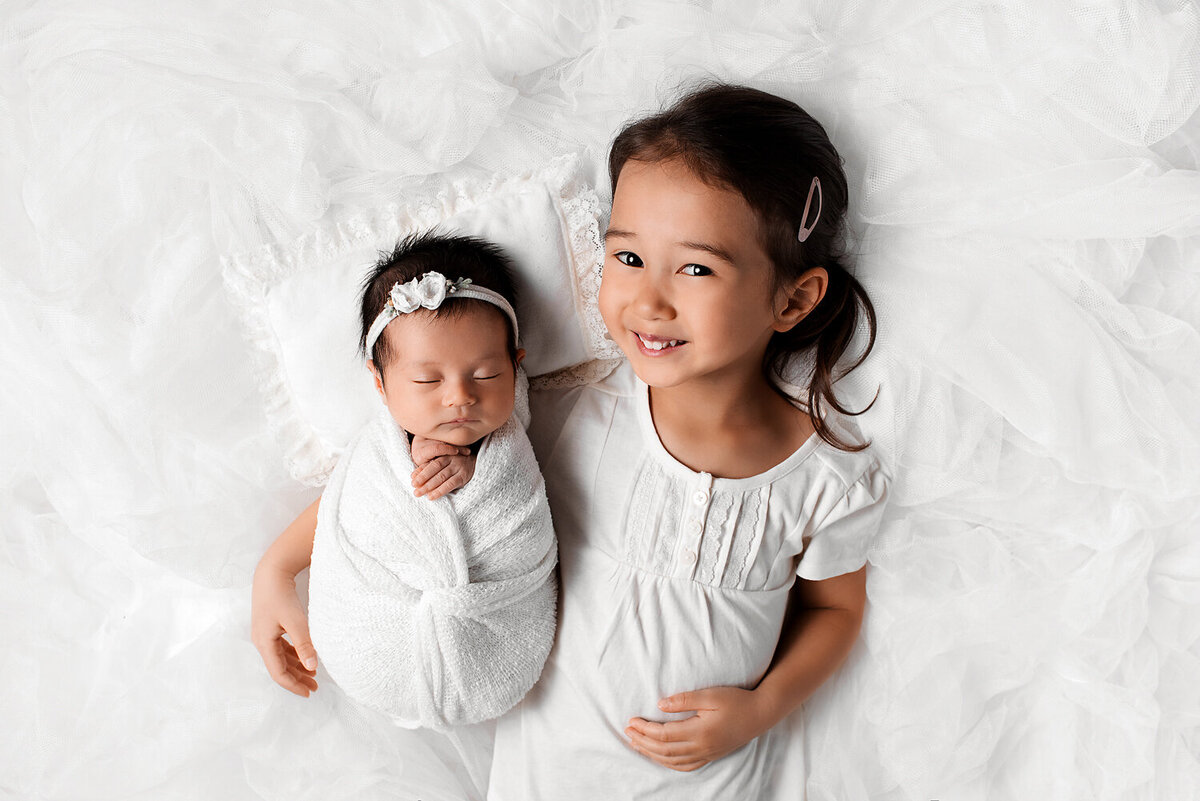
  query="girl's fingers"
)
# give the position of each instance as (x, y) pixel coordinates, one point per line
(300, 673)
(650, 728)
(296, 626)
(670, 731)
(274, 659)
(660, 748)
(681, 763)
(277, 667)
(295, 666)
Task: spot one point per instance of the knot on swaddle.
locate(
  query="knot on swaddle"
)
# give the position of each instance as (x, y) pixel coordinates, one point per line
(435, 612)
(479, 599)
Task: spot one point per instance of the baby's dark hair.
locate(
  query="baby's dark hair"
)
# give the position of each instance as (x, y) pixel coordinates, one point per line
(768, 150)
(452, 256)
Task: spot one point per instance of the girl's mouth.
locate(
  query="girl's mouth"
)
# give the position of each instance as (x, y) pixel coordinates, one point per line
(657, 346)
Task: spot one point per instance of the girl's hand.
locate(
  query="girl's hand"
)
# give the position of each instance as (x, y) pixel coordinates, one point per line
(726, 719)
(275, 610)
(441, 467)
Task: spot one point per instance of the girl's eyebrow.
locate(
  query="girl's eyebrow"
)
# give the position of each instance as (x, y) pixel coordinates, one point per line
(719, 252)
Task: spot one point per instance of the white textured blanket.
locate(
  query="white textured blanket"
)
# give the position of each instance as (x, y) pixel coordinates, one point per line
(441, 612)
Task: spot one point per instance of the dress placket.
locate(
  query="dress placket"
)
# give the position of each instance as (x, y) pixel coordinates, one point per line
(692, 519)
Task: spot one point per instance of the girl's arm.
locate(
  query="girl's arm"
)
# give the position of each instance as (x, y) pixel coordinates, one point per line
(824, 618)
(275, 607)
(820, 628)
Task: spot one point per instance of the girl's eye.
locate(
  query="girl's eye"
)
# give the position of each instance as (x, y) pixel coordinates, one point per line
(627, 258)
(486, 377)
(696, 270)
(427, 381)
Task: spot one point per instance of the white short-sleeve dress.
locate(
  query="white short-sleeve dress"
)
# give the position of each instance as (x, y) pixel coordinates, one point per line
(671, 580)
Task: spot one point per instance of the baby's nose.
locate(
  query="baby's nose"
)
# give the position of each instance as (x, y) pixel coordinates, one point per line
(459, 394)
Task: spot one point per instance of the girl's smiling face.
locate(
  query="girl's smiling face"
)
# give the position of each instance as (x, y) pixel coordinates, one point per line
(687, 287)
(450, 378)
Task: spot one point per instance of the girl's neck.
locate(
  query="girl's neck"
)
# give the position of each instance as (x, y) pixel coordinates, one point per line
(714, 404)
(731, 429)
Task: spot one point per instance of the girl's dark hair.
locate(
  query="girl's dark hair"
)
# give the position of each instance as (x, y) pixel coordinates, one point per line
(768, 150)
(452, 256)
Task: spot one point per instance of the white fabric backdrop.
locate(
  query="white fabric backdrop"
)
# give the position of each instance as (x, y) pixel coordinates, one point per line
(1026, 203)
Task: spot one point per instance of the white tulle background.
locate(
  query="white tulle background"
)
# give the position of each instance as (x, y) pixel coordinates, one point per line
(1027, 218)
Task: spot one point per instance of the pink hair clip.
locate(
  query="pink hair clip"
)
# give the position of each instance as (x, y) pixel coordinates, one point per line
(804, 232)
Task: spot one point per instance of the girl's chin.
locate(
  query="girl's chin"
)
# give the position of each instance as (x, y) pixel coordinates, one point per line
(655, 374)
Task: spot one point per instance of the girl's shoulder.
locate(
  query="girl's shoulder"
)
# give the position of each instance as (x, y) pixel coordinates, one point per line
(849, 469)
(601, 374)
(847, 516)
(554, 397)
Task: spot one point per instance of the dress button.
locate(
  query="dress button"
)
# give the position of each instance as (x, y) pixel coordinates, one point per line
(688, 557)
(695, 527)
(700, 498)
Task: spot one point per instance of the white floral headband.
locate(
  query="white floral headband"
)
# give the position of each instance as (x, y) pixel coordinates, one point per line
(429, 291)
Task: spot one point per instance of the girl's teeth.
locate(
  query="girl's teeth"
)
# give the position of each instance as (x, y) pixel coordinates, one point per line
(659, 345)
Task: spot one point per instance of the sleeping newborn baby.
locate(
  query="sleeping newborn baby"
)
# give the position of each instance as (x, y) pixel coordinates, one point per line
(437, 610)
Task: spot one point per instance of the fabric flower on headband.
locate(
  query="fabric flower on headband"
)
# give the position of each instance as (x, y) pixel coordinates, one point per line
(429, 291)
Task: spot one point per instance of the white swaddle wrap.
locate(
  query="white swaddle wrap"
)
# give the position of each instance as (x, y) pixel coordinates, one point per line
(441, 612)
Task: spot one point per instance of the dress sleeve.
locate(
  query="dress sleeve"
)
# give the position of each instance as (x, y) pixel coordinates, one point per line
(841, 542)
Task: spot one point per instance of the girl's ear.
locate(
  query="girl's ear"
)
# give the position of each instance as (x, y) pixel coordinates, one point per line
(378, 379)
(520, 355)
(804, 296)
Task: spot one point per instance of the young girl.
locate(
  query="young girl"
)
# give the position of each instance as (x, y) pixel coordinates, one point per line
(689, 489)
(437, 611)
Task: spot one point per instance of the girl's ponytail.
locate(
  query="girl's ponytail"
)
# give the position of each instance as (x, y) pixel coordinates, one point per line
(827, 333)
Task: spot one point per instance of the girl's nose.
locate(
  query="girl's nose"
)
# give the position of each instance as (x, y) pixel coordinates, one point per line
(651, 302)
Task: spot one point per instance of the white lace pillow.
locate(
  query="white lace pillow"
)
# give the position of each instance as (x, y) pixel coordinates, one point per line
(298, 302)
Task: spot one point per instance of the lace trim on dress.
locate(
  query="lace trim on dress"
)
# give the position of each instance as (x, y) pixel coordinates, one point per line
(663, 533)
(746, 534)
(645, 481)
(715, 536)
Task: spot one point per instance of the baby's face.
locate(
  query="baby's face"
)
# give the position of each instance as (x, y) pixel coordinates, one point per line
(449, 378)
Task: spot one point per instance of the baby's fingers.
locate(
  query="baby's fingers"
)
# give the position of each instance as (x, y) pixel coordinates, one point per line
(447, 486)
(427, 471)
(425, 449)
(443, 482)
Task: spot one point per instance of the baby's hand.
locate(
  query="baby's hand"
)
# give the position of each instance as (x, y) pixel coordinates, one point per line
(726, 719)
(441, 467)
